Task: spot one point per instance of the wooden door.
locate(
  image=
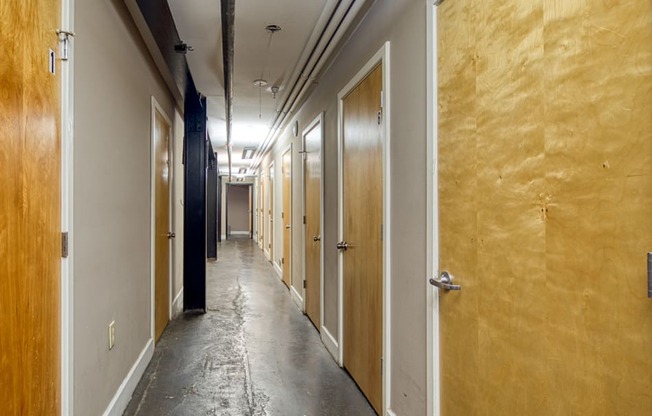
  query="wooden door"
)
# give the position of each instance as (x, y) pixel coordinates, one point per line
(162, 224)
(30, 210)
(286, 216)
(263, 211)
(313, 192)
(272, 232)
(545, 193)
(362, 176)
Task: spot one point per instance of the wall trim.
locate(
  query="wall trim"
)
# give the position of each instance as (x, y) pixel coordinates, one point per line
(278, 270)
(433, 398)
(177, 304)
(67, 203)
(390, 412)
(330, 343)
(122, 396)
(380, 57)
(297, 298)
(239, 232)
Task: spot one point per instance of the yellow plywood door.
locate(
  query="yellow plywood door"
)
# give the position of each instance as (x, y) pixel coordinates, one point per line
(362, 179)
(286, 169)
(162, 224)
(30, 210)
(250, 212)
(313, 192)
(545, 193)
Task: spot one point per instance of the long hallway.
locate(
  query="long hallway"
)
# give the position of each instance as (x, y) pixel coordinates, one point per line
(253, 353)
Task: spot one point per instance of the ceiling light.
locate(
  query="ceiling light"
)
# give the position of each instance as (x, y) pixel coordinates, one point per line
(248, 153)
(274, 89)
(242, 170)
(260, 82)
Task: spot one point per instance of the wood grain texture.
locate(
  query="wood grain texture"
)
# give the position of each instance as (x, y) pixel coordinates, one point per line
(313, 192)
(161, 225)
(286, 171)
(30, 210)
(363, 212)
(546, 206)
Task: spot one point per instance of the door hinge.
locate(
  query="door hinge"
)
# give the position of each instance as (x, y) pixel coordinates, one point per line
(304, 220)
(380, 116)
(64, 37)
(382, 367)
(64, 244)
(382, 99)
(282, 260)
(282, 214)
(304, 284)
(382, 232)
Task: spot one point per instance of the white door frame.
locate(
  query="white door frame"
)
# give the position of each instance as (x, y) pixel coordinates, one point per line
(433, 399)
(317, 122)
(67, 181)
(381, 57)
(152, 185)
(281, 189)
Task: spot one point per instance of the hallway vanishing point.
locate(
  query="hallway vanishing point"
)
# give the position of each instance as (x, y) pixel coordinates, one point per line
(252, 354)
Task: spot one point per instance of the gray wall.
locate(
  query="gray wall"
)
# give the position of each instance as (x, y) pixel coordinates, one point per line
(238, 207)
(403, 24)
(114, 82)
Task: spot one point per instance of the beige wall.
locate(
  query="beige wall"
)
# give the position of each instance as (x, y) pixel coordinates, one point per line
(114, 82)
(403, 24)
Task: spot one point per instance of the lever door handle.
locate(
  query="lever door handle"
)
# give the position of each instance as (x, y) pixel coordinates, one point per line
(445, 282)
(343, 245)
(171, 235)
(316, 238)
(287, 227)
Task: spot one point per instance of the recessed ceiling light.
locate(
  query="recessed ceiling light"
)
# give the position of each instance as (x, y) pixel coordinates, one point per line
(248, 152)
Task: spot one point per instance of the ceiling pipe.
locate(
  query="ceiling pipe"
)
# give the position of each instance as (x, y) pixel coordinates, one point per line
(338, 26)
(228, 47)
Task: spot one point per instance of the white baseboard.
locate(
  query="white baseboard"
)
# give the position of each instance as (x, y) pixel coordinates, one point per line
(223, 237)
(177, 304)
(390, 412)
(126, 390)
(296, 297)
(331, 344)
(278, 270)
(239, 232)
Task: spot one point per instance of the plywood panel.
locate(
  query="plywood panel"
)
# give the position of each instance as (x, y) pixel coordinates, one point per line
(457, 199)
(362, 216)
(30, 215)
(598, 81)
(162, 224)
(545, 145)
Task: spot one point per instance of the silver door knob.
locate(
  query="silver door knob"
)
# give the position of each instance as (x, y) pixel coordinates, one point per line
(445, 282)
(171, 235)
(316, 238)
(342, 245)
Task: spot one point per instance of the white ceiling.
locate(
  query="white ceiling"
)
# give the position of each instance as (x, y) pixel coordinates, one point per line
(199, 25)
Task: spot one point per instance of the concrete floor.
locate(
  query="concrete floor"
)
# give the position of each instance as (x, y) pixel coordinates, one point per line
(252, 354)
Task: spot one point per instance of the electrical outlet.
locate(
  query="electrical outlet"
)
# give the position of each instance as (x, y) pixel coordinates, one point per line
(111, 335)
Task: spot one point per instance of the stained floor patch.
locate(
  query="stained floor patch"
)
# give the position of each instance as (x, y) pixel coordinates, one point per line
(252, 354)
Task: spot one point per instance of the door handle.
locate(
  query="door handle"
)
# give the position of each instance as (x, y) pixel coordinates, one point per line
(445, 282)
(343, 245)
(171, 235)
(287, 227)
(316, 238)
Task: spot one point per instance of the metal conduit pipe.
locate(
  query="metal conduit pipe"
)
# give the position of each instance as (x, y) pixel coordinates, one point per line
(338, 28)
(228, 45)
(326, 25)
